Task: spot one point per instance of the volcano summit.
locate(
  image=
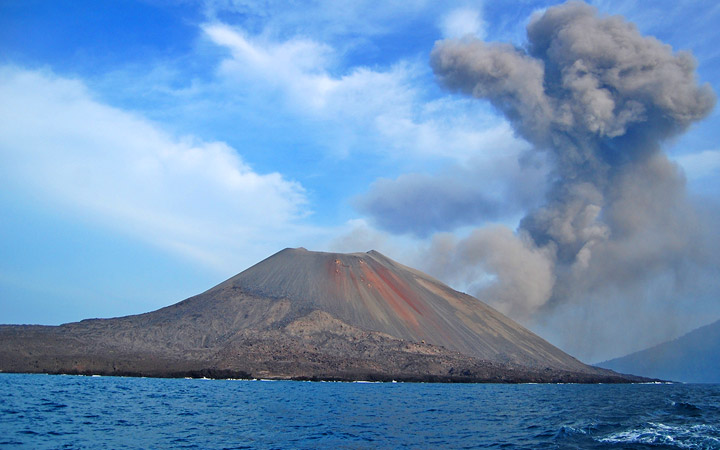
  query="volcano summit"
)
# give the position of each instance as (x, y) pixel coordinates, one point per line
(307, 315)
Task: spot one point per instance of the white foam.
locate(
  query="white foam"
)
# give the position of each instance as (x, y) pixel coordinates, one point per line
(698, 436)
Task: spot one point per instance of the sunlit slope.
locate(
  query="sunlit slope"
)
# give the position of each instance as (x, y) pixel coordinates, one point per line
(373, 292)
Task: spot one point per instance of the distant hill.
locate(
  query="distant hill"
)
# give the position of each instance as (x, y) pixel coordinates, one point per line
(691, 358)
(307, 315)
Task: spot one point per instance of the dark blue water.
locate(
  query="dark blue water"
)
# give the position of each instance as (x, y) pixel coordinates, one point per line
(44, 411)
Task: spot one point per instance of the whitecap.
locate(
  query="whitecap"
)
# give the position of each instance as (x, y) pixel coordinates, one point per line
(698, 436)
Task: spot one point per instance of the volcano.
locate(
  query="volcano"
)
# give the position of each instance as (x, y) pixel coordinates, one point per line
(312, 316)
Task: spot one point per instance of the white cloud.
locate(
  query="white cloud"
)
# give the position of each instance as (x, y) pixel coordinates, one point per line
(462, 22)
(297, 66)
(108, 166)
(451, 128)
(700, 165)
(344, 19)
(301, 69)
(386, 111)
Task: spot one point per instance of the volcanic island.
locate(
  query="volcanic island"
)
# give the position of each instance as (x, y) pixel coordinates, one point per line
(303, 315)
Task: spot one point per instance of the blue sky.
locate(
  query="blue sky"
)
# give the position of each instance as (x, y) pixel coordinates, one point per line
(151, 149)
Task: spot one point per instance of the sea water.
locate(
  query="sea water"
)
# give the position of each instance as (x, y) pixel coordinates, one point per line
(51, 411)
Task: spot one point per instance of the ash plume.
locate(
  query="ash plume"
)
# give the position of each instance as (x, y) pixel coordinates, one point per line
(600, 99)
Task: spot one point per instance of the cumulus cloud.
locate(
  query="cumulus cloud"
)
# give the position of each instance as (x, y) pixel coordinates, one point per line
(198, 199)
(599, 99)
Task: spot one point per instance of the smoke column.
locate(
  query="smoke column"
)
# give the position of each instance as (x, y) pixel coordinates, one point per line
(600, 99)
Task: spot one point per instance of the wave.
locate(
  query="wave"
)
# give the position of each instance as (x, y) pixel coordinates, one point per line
(700, 436)
(686, 408)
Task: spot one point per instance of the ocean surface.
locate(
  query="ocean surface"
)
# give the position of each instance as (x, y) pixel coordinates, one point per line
(55, 412)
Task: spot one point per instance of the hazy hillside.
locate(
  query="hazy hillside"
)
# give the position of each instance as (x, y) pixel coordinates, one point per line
(692, 358)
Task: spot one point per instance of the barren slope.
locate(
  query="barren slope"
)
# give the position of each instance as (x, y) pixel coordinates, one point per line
(376, 293)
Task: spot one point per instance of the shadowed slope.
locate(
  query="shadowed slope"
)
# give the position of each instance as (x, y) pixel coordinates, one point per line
(306, 315)
(691, 358)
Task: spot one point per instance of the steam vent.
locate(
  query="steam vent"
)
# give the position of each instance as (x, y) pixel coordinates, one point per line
(311, 316)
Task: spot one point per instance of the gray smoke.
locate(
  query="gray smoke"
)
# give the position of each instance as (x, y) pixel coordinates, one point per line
(506, 189)
(600, 99)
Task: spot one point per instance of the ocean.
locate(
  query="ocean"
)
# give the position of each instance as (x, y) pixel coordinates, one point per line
(77, 412)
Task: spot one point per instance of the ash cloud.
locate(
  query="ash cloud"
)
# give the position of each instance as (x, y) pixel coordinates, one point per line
(599, 98)
(460, 196)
